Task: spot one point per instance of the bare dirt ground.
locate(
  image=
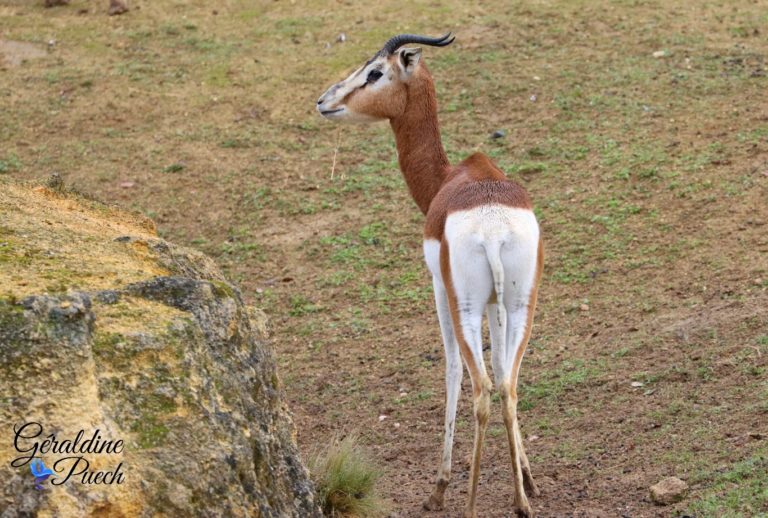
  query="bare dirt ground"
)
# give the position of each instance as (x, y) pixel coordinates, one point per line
(639, 127)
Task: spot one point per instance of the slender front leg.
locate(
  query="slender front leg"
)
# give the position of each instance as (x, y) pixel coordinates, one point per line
(453, 375)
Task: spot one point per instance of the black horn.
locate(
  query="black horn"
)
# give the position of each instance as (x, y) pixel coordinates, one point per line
(398, 41)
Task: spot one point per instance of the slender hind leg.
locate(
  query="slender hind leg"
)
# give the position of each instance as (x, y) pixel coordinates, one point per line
(530, 485)
(453, 375)
(510, 326)
(481, 391)
(496, 327)
(468, 286)
(509, 411)
(520, 320)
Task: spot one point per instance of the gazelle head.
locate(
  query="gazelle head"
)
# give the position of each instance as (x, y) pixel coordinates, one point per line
(378, 89)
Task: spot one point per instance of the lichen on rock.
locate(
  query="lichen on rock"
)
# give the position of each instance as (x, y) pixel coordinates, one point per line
(104, 326)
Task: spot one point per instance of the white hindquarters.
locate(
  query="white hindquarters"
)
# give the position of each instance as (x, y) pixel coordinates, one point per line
(481, 240)
(493, 253)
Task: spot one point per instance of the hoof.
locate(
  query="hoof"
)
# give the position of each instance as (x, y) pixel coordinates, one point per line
(433, 504)
(530, 486)
(524, 512)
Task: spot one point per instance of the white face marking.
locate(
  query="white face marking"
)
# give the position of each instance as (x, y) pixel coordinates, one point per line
(332, 106)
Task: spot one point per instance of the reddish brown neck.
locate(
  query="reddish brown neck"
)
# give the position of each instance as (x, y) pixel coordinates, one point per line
(419, 149)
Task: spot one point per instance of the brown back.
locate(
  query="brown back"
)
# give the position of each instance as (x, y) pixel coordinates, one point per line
(474, 182)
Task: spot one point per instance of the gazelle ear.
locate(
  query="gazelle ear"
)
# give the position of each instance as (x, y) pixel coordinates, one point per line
(408, 59)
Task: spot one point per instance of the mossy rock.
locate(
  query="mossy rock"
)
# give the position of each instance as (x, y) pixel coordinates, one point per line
(105, 326)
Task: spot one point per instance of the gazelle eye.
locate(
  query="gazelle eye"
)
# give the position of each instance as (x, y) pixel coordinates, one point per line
(374, 76)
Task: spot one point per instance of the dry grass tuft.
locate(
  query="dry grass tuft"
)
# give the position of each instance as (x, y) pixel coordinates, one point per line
(346, 477)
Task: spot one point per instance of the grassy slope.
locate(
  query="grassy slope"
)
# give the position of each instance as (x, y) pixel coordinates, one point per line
(649, 176)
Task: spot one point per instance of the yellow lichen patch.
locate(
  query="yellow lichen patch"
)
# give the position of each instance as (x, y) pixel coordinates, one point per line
(129, 316)
(53, 242)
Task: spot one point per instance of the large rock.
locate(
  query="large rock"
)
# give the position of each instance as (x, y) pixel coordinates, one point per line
(104, 328)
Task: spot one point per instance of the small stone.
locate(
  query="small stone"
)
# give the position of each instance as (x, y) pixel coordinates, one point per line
(383, 417)
(341, 38)
(127, 185)
(107, 296)
(533, 98)
(397, 425)
(636, 384)
(498, 134)
(660, 54)
(584, 307)
(668, 491)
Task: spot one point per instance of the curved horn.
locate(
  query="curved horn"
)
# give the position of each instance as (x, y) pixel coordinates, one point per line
(398, 41)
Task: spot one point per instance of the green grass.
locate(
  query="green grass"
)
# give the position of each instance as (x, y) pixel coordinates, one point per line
(554, 383)
(345, 478)
(174, 168)
(740, 490)
(9, 163)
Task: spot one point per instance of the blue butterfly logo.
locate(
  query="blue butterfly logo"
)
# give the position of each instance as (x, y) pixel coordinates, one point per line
(40, 472)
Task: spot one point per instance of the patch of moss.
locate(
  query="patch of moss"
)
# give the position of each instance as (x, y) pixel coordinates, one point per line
(158, 403)
(106, 347)
(151, 432)
(222, 289)
(13, 251)
(11, 317)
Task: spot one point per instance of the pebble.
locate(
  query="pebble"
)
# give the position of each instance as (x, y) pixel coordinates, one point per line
(668, 491)
(498, 134)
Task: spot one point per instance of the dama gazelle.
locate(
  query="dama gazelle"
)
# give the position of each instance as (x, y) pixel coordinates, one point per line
(481, 244)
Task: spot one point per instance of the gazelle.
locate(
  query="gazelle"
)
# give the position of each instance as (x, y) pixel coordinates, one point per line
(481, 244)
